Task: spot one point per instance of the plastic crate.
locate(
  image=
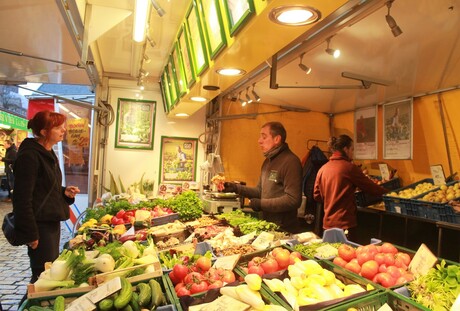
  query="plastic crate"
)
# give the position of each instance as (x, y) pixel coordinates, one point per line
(434, 210)
(364, 199)
(402, 205)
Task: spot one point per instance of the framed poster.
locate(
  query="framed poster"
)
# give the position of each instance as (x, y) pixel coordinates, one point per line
(214, 28)
(135, 124)
(397, 130)
(172, 82)
(186, 56)
(238, 13)
(165, 92)
(178, 69)
(366, 133)
(196, 40)
(178, 159)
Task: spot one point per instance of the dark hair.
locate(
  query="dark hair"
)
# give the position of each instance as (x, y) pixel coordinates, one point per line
(338, 143)
(276, 128)
(45, 120)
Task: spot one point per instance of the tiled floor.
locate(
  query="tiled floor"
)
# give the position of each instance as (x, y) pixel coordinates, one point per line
(14, 265)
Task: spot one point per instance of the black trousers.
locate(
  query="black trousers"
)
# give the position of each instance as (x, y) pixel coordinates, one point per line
(48, 247)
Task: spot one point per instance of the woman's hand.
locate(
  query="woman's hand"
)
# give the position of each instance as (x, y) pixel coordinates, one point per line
(71, 191)
(33, 244)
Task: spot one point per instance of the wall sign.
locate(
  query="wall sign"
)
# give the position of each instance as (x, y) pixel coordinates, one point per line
(397, 130)
(366, 133)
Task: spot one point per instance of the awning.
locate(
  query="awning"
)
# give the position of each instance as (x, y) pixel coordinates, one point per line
(7, 119)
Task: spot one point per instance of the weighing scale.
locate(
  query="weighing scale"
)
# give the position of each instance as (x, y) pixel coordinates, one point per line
(218, 202)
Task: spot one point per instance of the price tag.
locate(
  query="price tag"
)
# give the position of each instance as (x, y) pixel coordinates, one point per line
(81, 304)
(384, 171)
(263, 241)
(438, 174)
(385, 307)
(221, 304)
(423, 260)
(227, 262)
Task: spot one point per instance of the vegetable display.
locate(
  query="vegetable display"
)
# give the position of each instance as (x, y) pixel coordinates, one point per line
(246, 223)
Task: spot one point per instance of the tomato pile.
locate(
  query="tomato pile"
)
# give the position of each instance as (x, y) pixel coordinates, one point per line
(383, 264)
(199, 277)
(278, 259)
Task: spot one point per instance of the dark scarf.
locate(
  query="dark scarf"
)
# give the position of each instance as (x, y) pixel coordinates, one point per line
(275, 150)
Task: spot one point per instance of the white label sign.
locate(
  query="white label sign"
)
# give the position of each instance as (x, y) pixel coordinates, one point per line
(438, 174)
(384, 171)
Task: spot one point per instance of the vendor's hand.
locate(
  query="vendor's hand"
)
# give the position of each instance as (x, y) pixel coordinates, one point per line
(255, 204)
(33, 244)
(71, 191)
(230, 187)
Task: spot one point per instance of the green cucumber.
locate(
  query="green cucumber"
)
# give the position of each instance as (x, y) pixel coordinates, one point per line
(134, 303)
(145, 294)
(105, 304)
(59, 303)
(124, 296)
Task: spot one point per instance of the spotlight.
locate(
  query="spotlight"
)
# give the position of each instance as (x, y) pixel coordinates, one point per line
(151, 42)
(391, 21)
(335, 53)
(304, 67)
(243, 103)
(256, 97)
(248, 99)
(144, 73)
(158, 8)
(147, 59)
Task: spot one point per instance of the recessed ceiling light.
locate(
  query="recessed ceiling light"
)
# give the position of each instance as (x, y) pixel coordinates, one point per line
(294, 15)
(182, 114)
(230, 71)
(198, 98)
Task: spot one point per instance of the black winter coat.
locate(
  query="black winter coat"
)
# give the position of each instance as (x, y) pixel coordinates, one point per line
(10, 158)
(37, 173)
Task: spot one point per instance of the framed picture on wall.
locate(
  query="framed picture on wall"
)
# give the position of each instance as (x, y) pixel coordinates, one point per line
(397, 130)
(172, 81)
(366, 133)
(238, 13)
(214, 28)
(178, 159)
(135, 124)
(196, 39)
(178, 69)
(165, 91)
(186, 56)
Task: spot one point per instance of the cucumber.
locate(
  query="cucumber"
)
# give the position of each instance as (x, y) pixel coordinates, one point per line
(134, 303)
(105, 304)
(59, 303)
(37, 308)
(158, 298)
(145, 294)
(124, 296)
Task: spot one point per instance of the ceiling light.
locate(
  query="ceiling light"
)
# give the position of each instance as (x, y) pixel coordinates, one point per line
(304, 68)
(158, 8)
(335, 53)
(243, 102)
(391, 21)
(230, 71)
(248, 98)
(147, 59)
(198, 98)
(182, 114)
(144, 73)
(256, 97)
(140, 20)
(294, 15)
(151, 42)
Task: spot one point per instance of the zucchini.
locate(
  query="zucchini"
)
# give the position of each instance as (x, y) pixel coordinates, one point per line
(105, 304)
(134, 303)
(158, 298)
(37, 308)
(59, 303)
(127, 308)
(145, 294)
(124, 296)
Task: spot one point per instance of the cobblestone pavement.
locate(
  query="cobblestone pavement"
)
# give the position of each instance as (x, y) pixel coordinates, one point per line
(14, 265)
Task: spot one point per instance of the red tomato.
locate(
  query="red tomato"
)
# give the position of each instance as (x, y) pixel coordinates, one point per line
(364, 257)
(371, 248)
(389, 259)
(229, 277)
(346, 252)
(404, 257)
(117, 221)
(369, 269)
(198, 287)
(282, 258)
(400, 264)
(353, 266)
(389, 248)
(256, 270)
(193, 277)
(385, 279)
(383, 268)
(255, 261)
(339, 261)
(394, 272)
(183, 291)
(380, 258)
(179, 286)
(174, 279)
(216, 284)
(180, 271)
(270, 265)
(204, 263)
(120, 213)
(211, 275)
(276, 250)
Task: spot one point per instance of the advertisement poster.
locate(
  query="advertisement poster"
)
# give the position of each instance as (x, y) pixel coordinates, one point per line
(366, 133)
(397, 130)
(178, 159)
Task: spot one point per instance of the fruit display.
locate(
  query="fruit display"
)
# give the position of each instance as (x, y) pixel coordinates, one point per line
(444, 194)
(411, 192)
(277, 259)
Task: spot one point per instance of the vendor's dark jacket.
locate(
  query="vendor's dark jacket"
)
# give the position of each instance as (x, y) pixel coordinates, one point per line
(335, 186)
(10, 158)
(279, 188)
(37, 173)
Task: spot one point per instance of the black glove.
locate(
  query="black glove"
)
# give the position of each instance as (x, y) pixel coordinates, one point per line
(255, 204)
(230, 187)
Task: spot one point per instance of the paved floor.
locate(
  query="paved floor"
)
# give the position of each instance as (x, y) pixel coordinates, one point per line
(14, 265)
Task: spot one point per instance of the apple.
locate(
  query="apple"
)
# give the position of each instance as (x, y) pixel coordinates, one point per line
(339, 261)
(353, 267)
(369, 269)
(346, 252)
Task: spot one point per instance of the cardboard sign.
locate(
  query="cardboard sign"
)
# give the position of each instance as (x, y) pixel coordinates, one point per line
(384, 171)
(437, 173)
(263, 241)
(422, 261)
(227, 262)
(220, 304)
(81, 304)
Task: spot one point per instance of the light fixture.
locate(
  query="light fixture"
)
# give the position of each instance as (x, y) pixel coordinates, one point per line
(144, 73)
(182, 114)
(151, 42)
(256, 97)
(140, 20)
(198, 98)
(335, 53)
(230, 71)
(305, 68)
(147, 59)
(158, 8)
(294, 15)
(243, 102)
(248, 98)
(391, 21)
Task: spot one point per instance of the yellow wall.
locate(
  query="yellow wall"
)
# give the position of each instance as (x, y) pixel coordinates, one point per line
(243, 158)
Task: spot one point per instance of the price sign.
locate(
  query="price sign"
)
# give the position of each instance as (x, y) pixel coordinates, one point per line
(438, 174)
(384, 171)
(227, 262)
(263, 241)
(423, 260)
